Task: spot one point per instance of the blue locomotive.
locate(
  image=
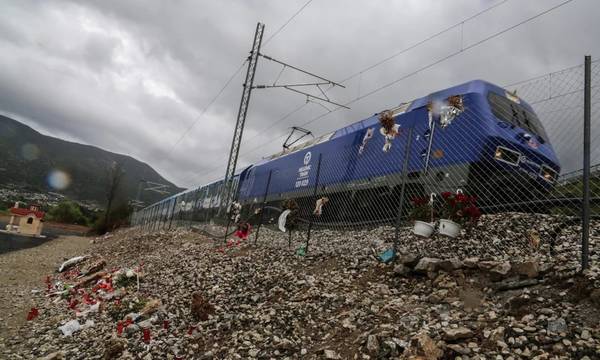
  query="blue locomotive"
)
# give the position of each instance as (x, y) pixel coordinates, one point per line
(475, 136)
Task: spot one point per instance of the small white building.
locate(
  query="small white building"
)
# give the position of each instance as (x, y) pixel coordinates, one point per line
(26, 221)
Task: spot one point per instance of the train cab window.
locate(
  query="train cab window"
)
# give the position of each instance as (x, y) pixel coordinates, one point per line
(515, 114)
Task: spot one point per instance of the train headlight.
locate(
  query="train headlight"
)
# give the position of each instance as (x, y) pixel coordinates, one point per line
(548, 173)
(507, 155)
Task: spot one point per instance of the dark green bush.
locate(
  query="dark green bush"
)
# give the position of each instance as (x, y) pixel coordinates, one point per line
(67, 212)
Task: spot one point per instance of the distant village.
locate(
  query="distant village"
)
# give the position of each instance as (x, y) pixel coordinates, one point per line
(9, 193)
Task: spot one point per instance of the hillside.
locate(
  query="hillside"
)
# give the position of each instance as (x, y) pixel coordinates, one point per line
(29, 157)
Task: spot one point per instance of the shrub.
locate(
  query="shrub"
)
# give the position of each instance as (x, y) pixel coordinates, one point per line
(118, 217)
(67, 212)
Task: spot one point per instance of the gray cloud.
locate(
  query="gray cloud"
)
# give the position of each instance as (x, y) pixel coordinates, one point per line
(132, 76)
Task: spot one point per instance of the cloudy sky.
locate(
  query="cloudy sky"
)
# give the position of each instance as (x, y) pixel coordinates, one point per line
(135, 77)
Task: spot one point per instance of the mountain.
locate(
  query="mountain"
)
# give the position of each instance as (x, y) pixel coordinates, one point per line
(37, 162)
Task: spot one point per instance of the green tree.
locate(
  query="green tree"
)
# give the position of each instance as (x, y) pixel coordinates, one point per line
(119, 216)
(67, 212)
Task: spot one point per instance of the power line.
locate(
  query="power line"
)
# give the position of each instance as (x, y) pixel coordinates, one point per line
(428, 66)
(231, 79)
(286, 23)
(206, 107)
(378, 63)
(419, 43)
(423, 68)
(451, 55)
(398, 53)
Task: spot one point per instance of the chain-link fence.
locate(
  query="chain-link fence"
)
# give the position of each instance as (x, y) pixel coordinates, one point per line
(514, 154)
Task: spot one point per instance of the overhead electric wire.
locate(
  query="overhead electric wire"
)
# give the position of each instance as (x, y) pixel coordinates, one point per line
(286, 23)
(426, 67)
(421, 42)
(231, 78)
(423, 68)
(378, 63)
(207, 107)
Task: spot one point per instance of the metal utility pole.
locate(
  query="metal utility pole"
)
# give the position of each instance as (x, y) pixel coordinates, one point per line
(585, 223)
(227, 189)
(227, 193)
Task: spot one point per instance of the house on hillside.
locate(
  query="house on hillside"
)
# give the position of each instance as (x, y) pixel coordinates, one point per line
(26, 221)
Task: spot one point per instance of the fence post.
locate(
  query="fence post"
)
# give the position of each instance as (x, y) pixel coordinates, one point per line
(173, 212)
(585, 218)
(159, 217)
(262, 209)
(310, 222)
(403, 187)
(155, 218)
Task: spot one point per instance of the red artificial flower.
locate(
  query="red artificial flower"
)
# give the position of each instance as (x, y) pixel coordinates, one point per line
(33, 313)
(166, 324)
(446, 194)
(73, 303)
(119, 328)
(147, 335)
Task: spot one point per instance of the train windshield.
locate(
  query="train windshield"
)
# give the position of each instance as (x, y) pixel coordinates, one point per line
(515, 114)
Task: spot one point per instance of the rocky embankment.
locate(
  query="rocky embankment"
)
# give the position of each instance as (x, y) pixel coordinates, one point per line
(495, 293)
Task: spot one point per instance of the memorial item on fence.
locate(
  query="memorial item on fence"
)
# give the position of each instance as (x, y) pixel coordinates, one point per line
(388, 129)
(319, 205)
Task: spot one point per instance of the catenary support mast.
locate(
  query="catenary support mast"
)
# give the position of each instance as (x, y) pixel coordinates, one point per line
(227, 193)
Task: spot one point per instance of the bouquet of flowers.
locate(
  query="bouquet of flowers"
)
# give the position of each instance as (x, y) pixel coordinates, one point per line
(460, 208)
(422, 209)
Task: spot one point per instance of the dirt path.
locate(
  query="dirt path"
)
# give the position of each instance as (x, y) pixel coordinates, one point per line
(24, 270)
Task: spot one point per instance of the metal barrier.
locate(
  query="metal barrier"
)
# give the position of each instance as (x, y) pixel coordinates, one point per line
(491, 155)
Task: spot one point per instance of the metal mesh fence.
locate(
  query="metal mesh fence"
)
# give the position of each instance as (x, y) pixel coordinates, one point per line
(513, 155)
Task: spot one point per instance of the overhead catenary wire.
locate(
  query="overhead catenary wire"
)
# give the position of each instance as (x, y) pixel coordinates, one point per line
(430, 65)
(214, 99)
(286, 23)
(421, 69)
(370, 67)
(396, 54)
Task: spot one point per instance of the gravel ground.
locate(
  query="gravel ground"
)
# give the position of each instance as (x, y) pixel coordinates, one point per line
(494, 293)
(23, 271)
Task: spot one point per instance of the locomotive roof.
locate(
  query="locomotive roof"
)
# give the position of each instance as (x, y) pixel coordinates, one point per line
(473, 86)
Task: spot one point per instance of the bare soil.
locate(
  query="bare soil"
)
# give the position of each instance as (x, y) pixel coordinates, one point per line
(25, 270)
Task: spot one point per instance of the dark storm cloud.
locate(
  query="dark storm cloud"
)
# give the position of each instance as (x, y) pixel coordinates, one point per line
(132, 76)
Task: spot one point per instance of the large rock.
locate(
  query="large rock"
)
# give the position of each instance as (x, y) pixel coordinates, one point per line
(557, 326)
(423, 347)
(497, 269)
(401, 270)
(114, 347)
(409, 260)
(372, 344)
(470, 263)
(457, 334)
(529, 268)
(449, 265)
(330, 354)
(426, 265)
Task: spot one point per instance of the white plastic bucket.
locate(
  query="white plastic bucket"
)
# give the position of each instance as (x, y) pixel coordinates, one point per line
(449, 228)
(423, 228)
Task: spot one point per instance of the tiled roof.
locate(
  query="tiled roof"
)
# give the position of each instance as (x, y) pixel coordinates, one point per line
(26, 212)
